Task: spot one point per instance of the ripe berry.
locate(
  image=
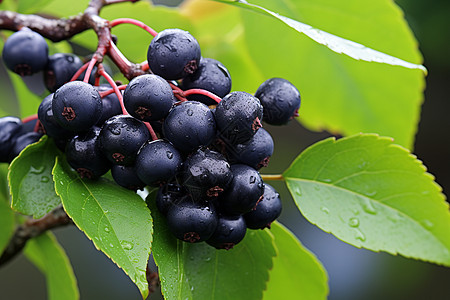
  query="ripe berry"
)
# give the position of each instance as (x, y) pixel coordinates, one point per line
(60, 69)
(230, 231)
(206, 174)
(25, 52)
(267, 210)
(21, 142)
(168, 195)
(84, 155)
(9, 129)
(121, 137)
(192, 222)
(148, 97)
(254, 153)
(281, 100)
(157, 162)
(110, 105)
(189, 126)
(212, 76)
(245, 191)
(51, 127)
(77, 106)
(238, 117)
(173, 54)
(126, 177)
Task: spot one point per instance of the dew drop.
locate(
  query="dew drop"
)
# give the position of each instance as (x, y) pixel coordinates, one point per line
(252, 179)
(169, 154)
(61, 182)
(360, 236)
(367, 206)
(370, 194)
(107, 229)
(353, 222)
(126, 245)
(327, 180)
(325, 209)
(428, 224)
(190, 112)
(297, 190)
(111, 245)
(38, 170)
(45, 179)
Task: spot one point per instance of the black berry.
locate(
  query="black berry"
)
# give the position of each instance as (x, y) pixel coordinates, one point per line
(21, 142)
(9, 129)
(110, 105)
(267, 210)
(230, 231)
(52, 128)
(60, 69)
(126, 177)
(168, 195)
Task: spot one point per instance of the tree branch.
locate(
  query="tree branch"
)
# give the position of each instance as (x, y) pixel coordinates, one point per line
(32, 228)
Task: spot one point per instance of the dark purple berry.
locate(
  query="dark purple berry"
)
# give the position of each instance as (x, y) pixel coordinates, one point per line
(206, 174)
(10, 127)
(52, 128)
(168, 195)
(244, 192)
(121, 138)
(280, 99)
(60, 69)
(230, 231)
(238, 117)
(173, 54)
(254, 153)
(110, 105)
(77, 106)
(25, 52)
(126, 177)
(157, 162)
(212, 76)
(192, 222)
(189, 126)
(21, 142)
(148, 97)
(267, 210)
(84, 155)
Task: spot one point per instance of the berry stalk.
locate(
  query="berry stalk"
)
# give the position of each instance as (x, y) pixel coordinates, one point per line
(144, 26)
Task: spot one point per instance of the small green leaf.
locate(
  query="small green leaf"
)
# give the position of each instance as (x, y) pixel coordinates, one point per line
(6, 224)
(199, 271)
(334, 43)
(30, 179)
(115, 219)
(50, 258)
(296, 273)
(373, 194)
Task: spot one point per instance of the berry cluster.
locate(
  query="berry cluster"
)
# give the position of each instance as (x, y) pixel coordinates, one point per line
(177, 128)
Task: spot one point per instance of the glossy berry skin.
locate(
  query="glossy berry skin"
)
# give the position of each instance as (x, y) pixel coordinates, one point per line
(192, 222)
(255, 153)
(173, 54)
(110, 105)
(158, 162)
(244, 192)
(77, 106)
(189, 126)
(25, 52)
(126, 177)
(9, 129)
(280, 99)
(51, 127)
(168, 195)
(212, 76)
(238, 117)
(21, 142)
(60, 69)
(148, 97)
(206, 174)
(229, 232)
(84, 155)
(267, 210)
(121, 138)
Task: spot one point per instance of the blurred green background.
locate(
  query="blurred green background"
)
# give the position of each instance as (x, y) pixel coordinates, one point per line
(353, 273)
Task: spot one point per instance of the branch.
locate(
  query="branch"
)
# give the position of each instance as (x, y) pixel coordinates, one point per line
(63, 29)
(32, 228)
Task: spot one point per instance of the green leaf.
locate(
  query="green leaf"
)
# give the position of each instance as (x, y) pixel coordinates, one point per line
(373, 194)
(6, 224)
(49, 257)
(335, 43)
(30, 179)
(9, 106)
(115, 219)
(296, 273)
(359, 96)
(31, 6)
(199, 271)
(28, 101)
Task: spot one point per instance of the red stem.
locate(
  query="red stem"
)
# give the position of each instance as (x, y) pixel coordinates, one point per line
(29, 118)
(152, 132)
(109, 92)
(202, 92)
(89, 69)
(145, 66)
(78, 73)
(97, 81)
(134, 22)
(108, 78)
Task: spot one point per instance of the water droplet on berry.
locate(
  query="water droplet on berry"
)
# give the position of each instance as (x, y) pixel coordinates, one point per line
(353, 222)
(190, 112)
(169, 154)
(252, 179)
